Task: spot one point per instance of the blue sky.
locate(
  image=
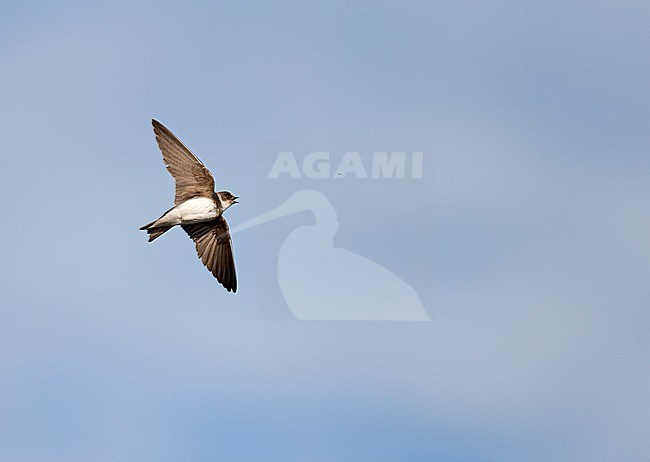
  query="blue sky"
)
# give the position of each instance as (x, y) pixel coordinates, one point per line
(527, 237)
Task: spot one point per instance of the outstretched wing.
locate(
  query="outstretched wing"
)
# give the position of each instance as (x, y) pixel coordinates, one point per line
(192, 177)
(214, 246)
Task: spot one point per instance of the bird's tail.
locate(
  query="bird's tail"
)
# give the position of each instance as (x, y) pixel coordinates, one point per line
(155, 231)
(156, 228)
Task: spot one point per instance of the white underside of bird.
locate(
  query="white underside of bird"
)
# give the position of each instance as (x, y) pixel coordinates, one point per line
(195, 210)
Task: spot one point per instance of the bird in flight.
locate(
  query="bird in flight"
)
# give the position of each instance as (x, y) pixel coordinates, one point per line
(197, 208)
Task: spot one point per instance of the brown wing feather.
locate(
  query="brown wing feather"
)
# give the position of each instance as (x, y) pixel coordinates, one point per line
(214, 247)
(192, 177)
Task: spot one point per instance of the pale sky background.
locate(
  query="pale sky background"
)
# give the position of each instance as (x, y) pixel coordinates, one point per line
(528, 238)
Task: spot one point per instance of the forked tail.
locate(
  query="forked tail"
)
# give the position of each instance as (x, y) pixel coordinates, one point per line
(155, 231)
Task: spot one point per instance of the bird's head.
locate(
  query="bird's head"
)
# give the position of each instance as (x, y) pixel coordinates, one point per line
(227, 199)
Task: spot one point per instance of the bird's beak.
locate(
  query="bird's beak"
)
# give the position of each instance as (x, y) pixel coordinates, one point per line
(236, 201)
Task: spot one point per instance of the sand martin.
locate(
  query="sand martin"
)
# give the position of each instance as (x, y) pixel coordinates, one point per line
(197, 208)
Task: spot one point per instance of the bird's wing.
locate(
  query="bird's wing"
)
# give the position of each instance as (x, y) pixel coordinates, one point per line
(192, 177)
(214, 246)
